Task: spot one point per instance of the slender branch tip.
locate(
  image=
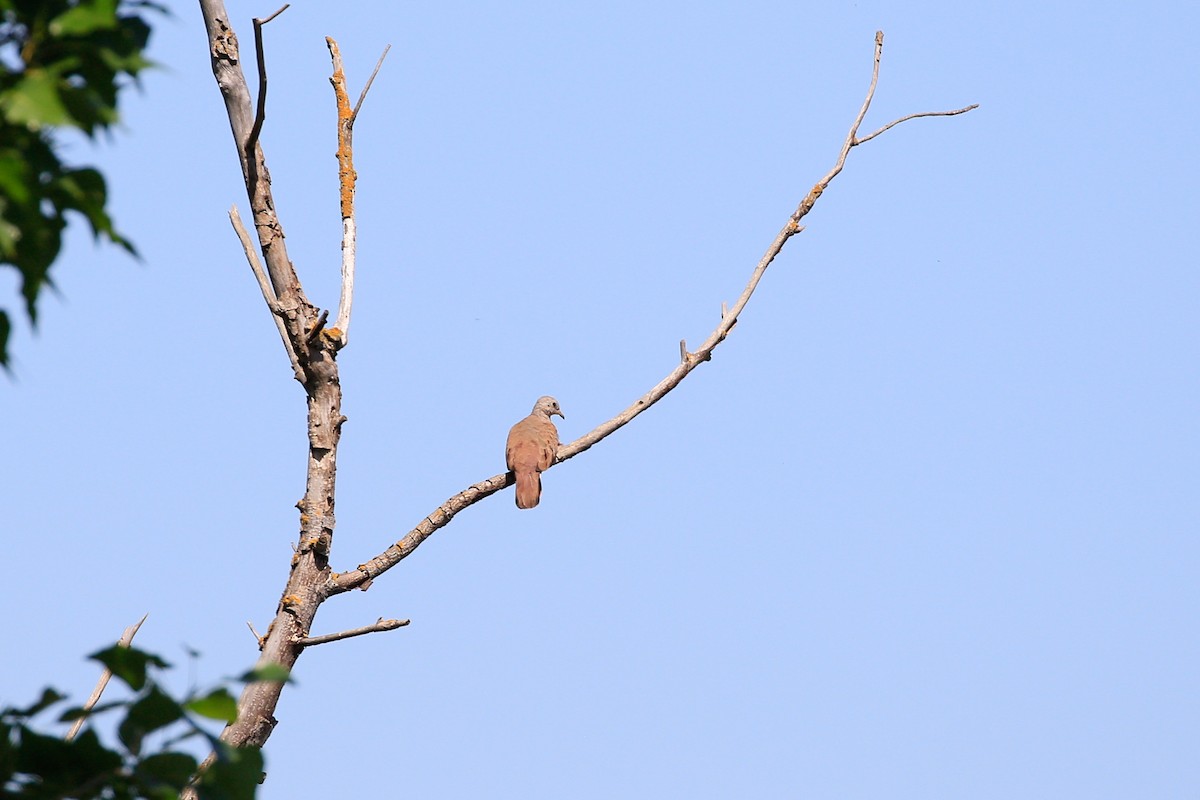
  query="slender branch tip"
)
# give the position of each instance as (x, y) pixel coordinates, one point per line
(125, 641)
(367, 85)
(282, 9)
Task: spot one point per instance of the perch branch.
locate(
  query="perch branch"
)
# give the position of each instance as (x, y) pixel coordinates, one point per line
(378, 626)
(267, 292)
(441, 516)
(125, 640)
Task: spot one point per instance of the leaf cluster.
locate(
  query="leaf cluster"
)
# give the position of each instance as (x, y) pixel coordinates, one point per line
(36, 764)
(63, 64)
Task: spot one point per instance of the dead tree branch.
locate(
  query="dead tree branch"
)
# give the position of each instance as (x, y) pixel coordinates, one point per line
(896, 122)
(313, 348)
(265, 286)
(125, 640)
(347, 178)
(378, 626)
(360, 577)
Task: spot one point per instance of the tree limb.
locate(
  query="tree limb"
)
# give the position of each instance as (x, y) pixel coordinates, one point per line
(360, 577)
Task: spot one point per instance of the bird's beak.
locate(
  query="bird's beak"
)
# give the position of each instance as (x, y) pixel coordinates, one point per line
(564, 416)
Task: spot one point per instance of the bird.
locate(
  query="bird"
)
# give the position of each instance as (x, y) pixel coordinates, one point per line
(532, 446)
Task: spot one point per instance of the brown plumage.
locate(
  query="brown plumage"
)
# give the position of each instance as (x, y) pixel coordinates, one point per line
(532, 445)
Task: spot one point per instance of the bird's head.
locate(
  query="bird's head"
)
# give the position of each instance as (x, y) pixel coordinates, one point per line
(549, 406)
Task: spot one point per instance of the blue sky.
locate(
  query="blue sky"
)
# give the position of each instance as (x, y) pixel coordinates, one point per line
(924, 527)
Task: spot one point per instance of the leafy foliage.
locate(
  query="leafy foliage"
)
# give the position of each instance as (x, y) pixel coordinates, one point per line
(63, 64)
(35, 764)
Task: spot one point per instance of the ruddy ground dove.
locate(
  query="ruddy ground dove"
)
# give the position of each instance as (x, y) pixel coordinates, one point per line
(532, 445)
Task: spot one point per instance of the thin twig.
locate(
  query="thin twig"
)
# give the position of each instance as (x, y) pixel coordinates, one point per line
(260, 114)
(367, 86)
(441, 516)
(379, 626)
(125, 640)
(282, 9)
(253, 632)
(267, 292)
(896, 122)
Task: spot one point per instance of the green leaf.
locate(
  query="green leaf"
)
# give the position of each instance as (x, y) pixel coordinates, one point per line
(155, 710)
(171, 769)
(88, 16)
(14, 176)
(34, 101)
(49, 695)
(84, 191)
(72, 714)
(60, 766)
(267, 672)
(10, 235)
(40, 242)
(67, 63)
(129, 664)
(235, 774)
(218, 704)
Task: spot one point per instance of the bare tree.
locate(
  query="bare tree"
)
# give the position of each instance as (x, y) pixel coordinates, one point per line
(312, 346)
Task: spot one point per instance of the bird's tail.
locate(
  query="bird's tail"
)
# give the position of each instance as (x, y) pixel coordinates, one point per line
(529, 488)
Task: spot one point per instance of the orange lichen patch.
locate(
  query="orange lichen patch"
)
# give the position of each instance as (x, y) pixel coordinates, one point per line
(345, 114)
(347, 193)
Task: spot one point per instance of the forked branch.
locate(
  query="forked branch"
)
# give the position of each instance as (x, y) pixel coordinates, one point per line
(340, 332)
(360, 577)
